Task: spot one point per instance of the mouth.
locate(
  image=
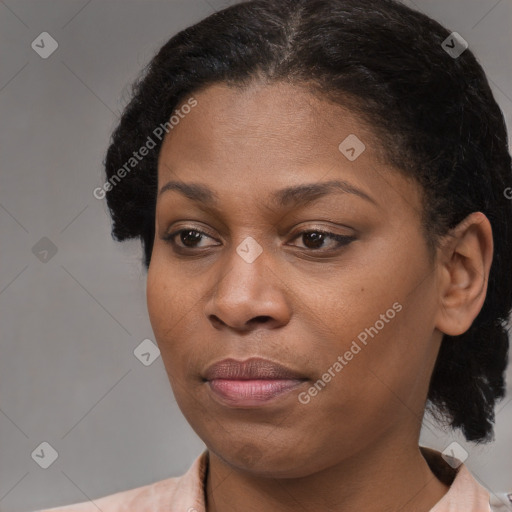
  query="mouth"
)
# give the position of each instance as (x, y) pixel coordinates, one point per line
(252, 382)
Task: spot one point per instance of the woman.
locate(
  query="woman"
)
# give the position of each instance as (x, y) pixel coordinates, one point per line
(320, 190)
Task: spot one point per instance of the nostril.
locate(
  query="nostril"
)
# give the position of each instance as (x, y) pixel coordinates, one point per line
(261, 319)
(216, 320)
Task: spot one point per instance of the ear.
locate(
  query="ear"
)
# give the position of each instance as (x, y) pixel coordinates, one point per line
(465, 263)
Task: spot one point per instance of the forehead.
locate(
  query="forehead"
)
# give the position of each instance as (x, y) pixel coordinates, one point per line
(262, 137)
(279, 121)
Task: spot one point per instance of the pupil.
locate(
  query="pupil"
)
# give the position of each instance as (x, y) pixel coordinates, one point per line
(185, 234)
(315, 237)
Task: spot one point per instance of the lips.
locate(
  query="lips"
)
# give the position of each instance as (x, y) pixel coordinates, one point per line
(250, 369)
(252, 382)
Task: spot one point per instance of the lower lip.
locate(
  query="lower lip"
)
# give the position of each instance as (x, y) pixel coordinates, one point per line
(252, 392)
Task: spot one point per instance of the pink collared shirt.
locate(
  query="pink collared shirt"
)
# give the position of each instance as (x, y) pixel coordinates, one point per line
(186, 493)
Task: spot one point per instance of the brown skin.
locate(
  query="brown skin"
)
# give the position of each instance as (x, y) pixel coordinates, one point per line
(363, 428)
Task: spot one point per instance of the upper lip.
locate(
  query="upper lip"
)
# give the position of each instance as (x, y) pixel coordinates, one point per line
(253, 368)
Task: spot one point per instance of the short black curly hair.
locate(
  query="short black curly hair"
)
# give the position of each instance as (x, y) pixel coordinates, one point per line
(433, 113)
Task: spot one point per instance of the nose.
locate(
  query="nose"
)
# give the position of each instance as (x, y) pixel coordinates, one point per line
(248, 295)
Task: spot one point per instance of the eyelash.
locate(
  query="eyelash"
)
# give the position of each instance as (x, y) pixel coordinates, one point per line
(342, 240)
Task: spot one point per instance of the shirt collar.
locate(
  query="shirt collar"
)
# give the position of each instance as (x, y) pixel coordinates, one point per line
(465, 493)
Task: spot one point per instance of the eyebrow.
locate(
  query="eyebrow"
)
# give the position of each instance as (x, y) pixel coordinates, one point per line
(296, 195)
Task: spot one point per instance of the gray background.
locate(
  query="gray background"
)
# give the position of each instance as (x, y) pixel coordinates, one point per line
(69, 326)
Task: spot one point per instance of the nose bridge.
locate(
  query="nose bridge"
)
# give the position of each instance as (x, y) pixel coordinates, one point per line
(247, 288)
(247, 269)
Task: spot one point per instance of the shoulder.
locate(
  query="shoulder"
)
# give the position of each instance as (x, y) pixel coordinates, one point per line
(501, 502)
(133, 498)
(177, 492)
(465, 492)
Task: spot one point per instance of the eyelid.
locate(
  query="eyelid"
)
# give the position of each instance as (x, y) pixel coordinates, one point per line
(341, 240)
(168, 237)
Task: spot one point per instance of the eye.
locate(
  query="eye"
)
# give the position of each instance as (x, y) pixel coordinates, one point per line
(188, 238)
(313, 239)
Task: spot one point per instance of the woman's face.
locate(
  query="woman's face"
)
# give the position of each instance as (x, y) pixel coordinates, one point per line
(251, 276)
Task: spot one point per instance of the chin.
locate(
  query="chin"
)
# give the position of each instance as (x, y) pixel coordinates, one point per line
(266, 461)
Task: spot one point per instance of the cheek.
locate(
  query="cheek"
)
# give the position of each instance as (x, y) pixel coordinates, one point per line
(391, 358)
(166, 294)
(156, 292)
(380, 320)
(172, 307)
(165, 303)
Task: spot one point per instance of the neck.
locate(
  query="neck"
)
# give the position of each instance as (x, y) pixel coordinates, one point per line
(385, 478)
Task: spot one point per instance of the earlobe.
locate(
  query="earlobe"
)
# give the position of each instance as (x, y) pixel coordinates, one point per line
(466, 262)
